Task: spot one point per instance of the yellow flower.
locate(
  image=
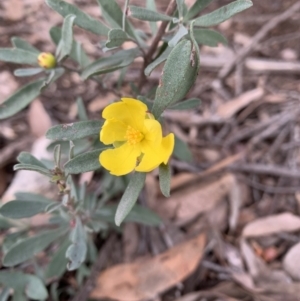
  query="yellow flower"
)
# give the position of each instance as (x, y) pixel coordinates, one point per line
(136, 136)
(47, 60)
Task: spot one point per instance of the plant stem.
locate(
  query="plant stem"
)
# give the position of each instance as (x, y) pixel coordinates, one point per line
(148, 57)
(124, 15)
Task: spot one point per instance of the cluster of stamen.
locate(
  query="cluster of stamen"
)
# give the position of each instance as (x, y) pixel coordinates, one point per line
(133, 136)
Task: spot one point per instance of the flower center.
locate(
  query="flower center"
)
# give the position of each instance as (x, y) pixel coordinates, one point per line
(133, 136)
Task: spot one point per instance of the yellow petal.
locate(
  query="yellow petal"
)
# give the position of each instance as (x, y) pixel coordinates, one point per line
(155, 154)
(152, 131)
(113, 130)
(129, 111)
(120, 161)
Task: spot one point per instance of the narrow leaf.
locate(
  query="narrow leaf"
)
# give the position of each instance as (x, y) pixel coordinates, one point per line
(76, 130)
(85, 162)
(27, 158)
(82, 20)
(116, 61)
(20, 99)
(177, 77)
(188, 104)
(67, 37)
(24, 196)
(35, 288)
(147, 14)
(22, 44)
(182, 31)
(57, 155)
(27, 72)
(180, 4)
(36, 168)
(130, 196)
(181, 150)
(18, 56)
(165, 179)
(76, 252)
(196, 8)
(27, 248)
(222, 14)
(150, 4)
(209, 37)
(163, 57)
(22, 209)
(116, 37)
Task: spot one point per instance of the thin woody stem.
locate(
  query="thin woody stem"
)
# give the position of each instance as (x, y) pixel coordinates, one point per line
(148, 57)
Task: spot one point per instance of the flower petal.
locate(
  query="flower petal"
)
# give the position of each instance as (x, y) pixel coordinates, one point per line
(113, 130)
(155, 154)
(129, 111)
(121, 160)
(152, 131)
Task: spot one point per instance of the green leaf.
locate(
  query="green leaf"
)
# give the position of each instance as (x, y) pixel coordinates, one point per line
(114, 62)
(188, 104)
(19, 100)
(27, 72)
(77, 52)
(150, 4)
(76, 130)
(22, 44)
(177, 77)
(76, 252)
(35, 288)
(25, 196)
(27, 158)
(163, 57)
(116, 37)
(222, 14)
(82, 114)
(181, 151)
(182, 31)
(84, 162)
(180, 4)
(18, 56)
(82, 20)
(165, 179)
(130, 196)
(36, 168)
(147, 14)
(209, 37)
(53, 76)
(57, 155)
(27, 248)
(22, 209)
(196, 8)
(5, 293)
(66, 37)
(58, 263)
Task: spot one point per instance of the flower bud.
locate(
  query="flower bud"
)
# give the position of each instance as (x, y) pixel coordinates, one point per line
(47, 60)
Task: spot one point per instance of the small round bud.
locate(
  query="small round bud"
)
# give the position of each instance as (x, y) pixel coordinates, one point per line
(47, 60)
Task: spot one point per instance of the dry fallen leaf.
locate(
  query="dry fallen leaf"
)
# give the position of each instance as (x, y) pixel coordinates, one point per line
(291, 261)
(145, 279)
(284, 222)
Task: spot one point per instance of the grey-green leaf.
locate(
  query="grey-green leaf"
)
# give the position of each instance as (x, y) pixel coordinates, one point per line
(114, 62)
(22, 44)
(116, 37)
(147, 14)
(27, 158)
(76, 252)
(76, 130)
(58, 262)
(177, 77)
(20, 99)
(130, 196)
(66, 37)
(82, 20)
(209, 37)
(222, 14)
(24, 196)
(85, 162)
(36, 168)
(18, 56)
(188, 104)
(27, 72)
(35, 288)
(182, 31)
(165, 179)
(150, 4)
(27, 248)
(22, 209)
(180, 4)
(196, 8)
(163, 57)
(181, 150)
